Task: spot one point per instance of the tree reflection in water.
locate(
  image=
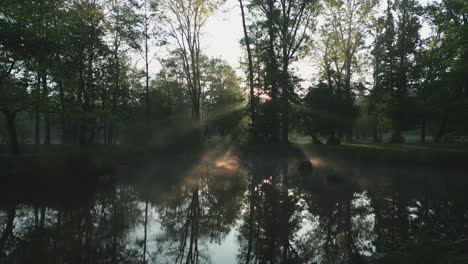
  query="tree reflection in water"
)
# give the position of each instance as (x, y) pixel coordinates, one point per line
(408, 215)
(67, 232)
(281, 210)
(273, 216)
(198, 213)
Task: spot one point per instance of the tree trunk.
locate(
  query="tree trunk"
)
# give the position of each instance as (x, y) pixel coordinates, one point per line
(37, 130)
(375, 131)
(147, 72)
(92, 135)
(442, 129)
(349, 241)
(349, 134)
(251, 74)
(272, 73)
(348, 99)
(82, 133)
(8, 230)
(396, 136)
(285, 120)
(196, 111)
(42, 219)
(47, 138)
(146, 232)
(45, 92)
(285, 101)
(104, 129)
(11, 128)
(423, 131)
(62, 112)
(110, 133)
(196, 117)
(251, 220)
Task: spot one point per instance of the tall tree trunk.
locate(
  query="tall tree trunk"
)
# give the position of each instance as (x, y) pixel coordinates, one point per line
(375, 131)
(110, 134)
(146, 232)
(62, 112)
(397, 135)
(92, 136)
(349, 100)
(8, 230)
(272, 73)
(42, 219)
(285, 76)
(45, 95)
(105, 133)
(251, 220)
(349, 244)
(423, 131)
(442, 129)
(36, 216)
(11, 128)
(284, 212)
(196, 117)
(251, 74)
(147, 71)
(285, 103)
(37, 130)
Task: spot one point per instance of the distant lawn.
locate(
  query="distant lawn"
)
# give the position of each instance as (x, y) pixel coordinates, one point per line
(417, 153)
(412, 147)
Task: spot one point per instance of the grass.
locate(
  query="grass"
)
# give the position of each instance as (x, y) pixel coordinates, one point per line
(416, 153)
(428, 153)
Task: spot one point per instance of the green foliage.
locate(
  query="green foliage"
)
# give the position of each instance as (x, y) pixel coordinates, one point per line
(224, 102)
(70, 65)
(324, 112)
(395, 71)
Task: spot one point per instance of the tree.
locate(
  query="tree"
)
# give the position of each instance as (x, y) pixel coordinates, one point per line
(148, 31)
(406, 49)
(320, 114)
(397, 72)
(283, 28)
(223, 97)
(13, 99)
(344, 33)
(448, 56)
(250, 69)
(294, 21)
(122, 23)
(185, 21)
(16, 49)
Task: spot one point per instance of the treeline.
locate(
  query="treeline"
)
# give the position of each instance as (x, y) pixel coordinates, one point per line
(66, 63)
(387, 66)
(78, 72)
(419, 80)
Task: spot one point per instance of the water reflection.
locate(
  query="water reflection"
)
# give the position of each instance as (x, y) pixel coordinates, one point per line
(87, 232)
(228, 207)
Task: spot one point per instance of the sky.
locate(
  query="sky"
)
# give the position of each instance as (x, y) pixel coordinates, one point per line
(223, 33)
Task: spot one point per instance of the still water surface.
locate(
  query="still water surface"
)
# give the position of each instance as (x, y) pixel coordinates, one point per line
(227, 207)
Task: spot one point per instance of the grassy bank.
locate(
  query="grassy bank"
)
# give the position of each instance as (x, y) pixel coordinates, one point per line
(426, 154)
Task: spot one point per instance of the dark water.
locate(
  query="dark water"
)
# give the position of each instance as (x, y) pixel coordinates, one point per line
(226, 207)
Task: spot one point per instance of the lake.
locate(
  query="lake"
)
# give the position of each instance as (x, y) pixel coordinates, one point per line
(226, 206)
